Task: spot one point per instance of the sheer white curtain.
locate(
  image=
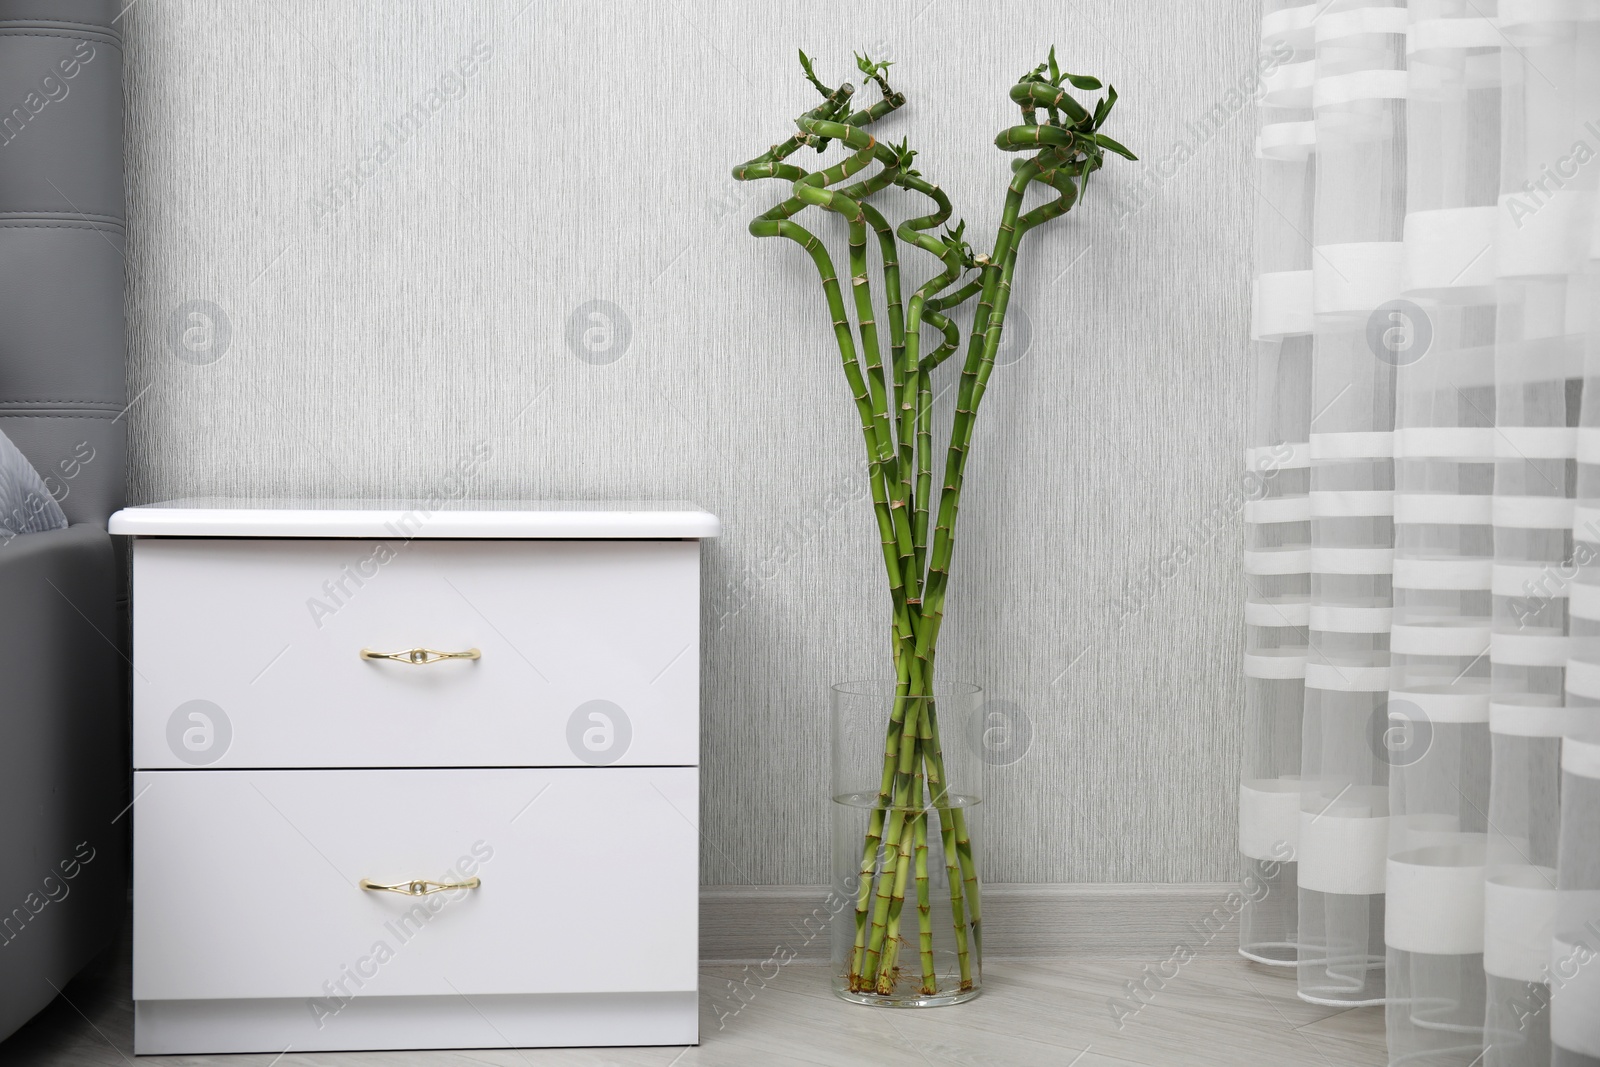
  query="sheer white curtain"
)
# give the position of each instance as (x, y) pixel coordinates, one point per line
(1419, 819)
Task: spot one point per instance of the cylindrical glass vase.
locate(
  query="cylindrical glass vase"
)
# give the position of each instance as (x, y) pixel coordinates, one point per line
(907, 889)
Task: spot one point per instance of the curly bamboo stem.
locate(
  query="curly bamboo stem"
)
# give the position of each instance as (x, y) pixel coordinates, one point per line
(899, 804)
(900, 546)
(888, 970)
(846, 346)
(871, 861)
(894, 404)
(930, 977)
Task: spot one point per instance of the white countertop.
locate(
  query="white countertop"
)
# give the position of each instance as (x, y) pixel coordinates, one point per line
(231, 517)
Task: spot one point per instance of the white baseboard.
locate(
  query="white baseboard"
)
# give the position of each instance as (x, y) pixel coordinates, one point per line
(543, 1020)
(1136, 921)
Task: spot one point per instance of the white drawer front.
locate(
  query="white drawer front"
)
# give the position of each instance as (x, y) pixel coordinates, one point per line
(246, 883)
(248, 653)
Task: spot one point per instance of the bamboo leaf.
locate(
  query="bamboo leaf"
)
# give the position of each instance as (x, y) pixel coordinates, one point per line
(1103, 108)
(811, 75)
(1105, 142)
(1055, 71)
(871, 69)
(1083, 81)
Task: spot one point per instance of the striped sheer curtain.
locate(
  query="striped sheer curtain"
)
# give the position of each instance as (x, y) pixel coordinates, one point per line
(1419, 818)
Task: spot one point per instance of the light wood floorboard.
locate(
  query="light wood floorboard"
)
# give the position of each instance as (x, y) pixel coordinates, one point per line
(1049, 1013)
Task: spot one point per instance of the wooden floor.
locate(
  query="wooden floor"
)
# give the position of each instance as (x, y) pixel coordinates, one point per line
(1227, 1013)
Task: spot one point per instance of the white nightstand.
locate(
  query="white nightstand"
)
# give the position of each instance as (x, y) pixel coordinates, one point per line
(491, 710)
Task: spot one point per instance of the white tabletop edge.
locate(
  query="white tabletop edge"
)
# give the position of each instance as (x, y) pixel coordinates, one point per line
(168, 521)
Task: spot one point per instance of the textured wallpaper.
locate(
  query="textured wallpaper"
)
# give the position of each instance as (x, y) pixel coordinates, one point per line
(365, 238)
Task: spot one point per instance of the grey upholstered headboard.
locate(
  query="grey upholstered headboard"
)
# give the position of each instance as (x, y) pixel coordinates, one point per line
(62, 356)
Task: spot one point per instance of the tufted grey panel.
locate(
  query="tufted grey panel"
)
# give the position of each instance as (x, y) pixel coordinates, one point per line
(63, 716)
(361, 247)
(62, 350)
(61, 357)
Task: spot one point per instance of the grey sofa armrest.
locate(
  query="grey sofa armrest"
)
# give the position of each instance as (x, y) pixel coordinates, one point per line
(63, 762)
(63, 391)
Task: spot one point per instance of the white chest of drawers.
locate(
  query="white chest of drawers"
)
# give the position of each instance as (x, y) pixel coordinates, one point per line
(492, 712)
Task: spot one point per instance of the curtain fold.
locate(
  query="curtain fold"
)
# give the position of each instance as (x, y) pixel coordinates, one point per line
(1419, 813)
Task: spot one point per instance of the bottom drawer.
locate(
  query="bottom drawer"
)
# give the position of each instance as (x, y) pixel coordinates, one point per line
(247, 884)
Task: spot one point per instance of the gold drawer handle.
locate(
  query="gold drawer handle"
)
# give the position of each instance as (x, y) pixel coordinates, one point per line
(419, 887)
(420, 657)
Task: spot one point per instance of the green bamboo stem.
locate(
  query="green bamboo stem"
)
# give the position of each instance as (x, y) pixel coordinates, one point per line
(774, 227)
(881, 440)
(858, 387)
(919, 828)
(930, 977)
(918, 740)
(906, 779)
(873, 841)
(932, 605)
(857, 193)
(906, 386)
(899, 803)
(902, 658)
(987, 327)
(905, 489)
(988, 324)
(961, 865)
(961, 902)
(910, 397)
(949, 301)
(852, 371)
(834, 101)
(868, 406)
(995, 293)
(870, 859)
(843, 335)
(834, 200)
(767, 226)
(923, 426)
(848, 203)
(895, 407)
(1050, 96)
(879, 437)
(911, 374)
(889, 98)
(923, 430)
(890, 260)
(889, 971)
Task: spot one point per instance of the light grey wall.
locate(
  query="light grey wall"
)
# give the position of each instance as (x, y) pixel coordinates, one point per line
(381, 328)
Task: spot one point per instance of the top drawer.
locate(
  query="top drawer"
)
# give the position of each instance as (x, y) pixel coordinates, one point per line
(247, 653)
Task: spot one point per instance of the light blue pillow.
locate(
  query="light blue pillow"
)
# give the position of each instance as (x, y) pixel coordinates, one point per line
(26, 506)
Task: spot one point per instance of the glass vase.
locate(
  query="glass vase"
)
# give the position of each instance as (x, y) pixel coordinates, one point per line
(907, 889)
